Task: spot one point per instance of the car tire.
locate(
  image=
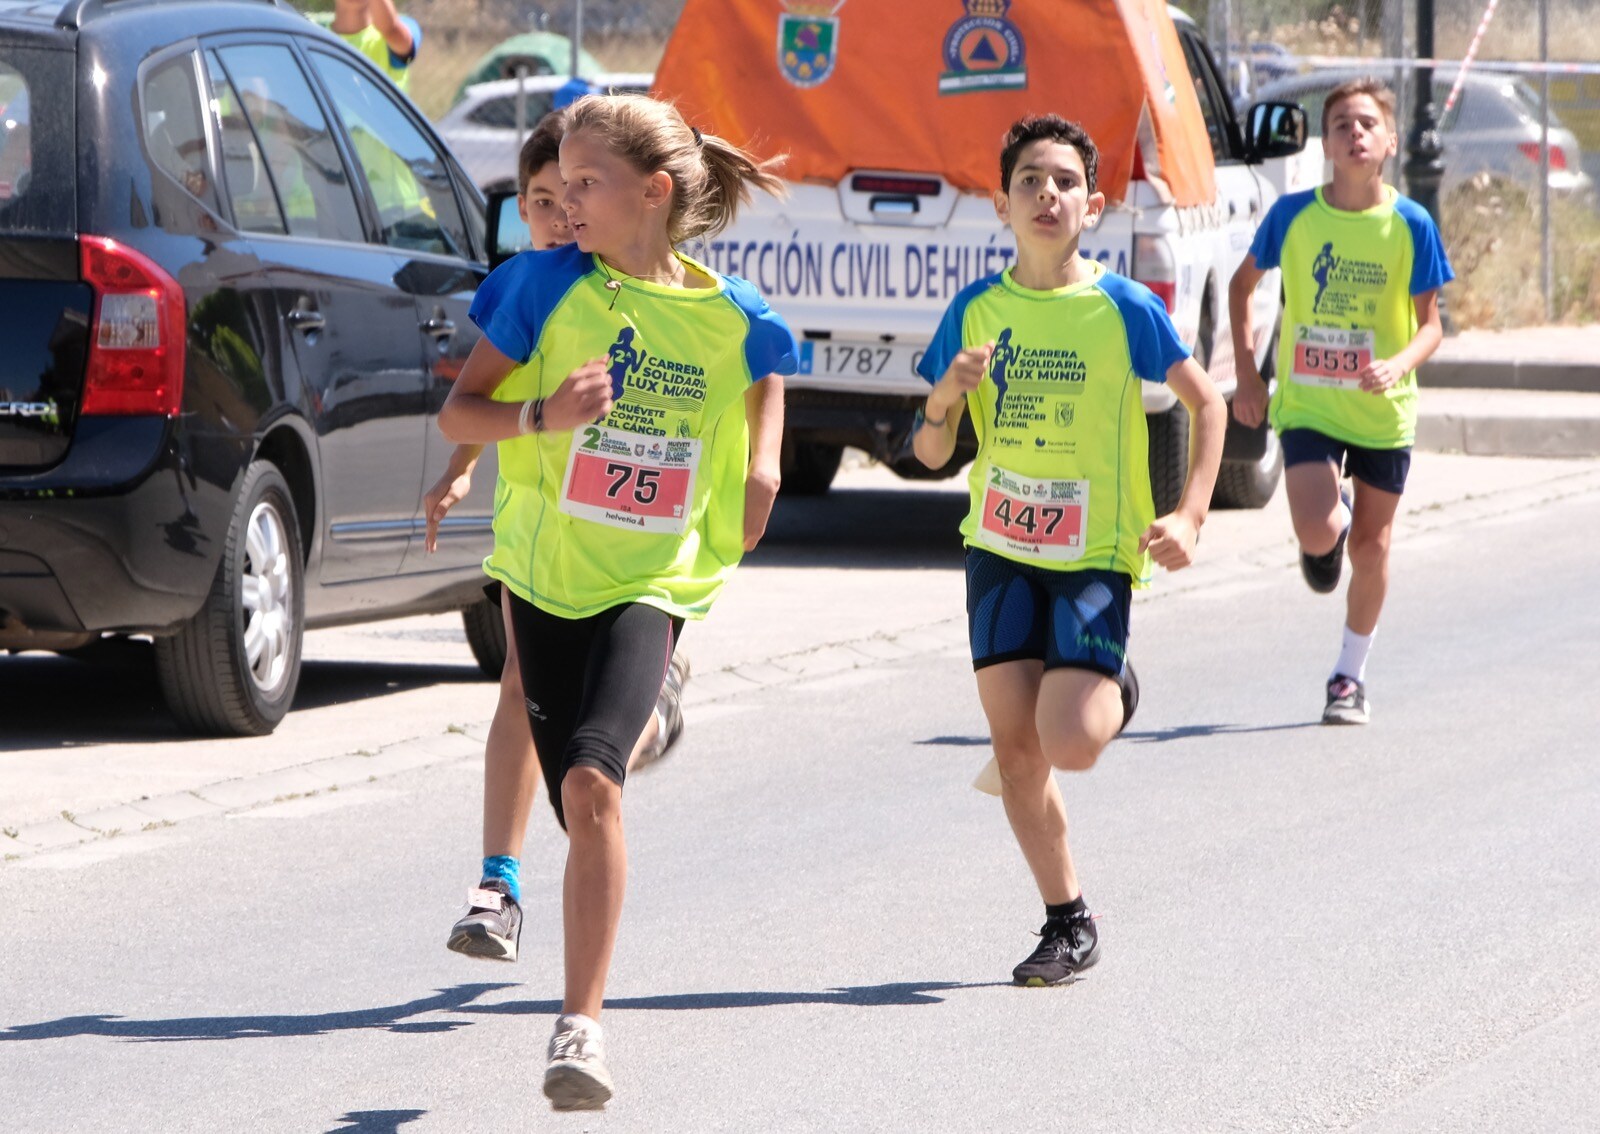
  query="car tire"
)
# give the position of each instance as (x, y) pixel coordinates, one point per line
(232, 670)
(807, 468)
(1250, 484)
(1169, 457)
(486, 634)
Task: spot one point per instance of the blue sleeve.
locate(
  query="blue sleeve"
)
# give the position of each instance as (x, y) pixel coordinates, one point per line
(769, 346)
(1153, 342)
(401, 62)
(947, 342)
(514, 303)
(1267, 247)
(1430, 267)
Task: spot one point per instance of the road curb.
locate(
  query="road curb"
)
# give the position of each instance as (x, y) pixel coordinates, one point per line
(1509, 423)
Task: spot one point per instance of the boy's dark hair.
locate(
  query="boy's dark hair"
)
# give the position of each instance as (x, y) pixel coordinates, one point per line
(542, 147)
(1365, 85)
(1052, 128)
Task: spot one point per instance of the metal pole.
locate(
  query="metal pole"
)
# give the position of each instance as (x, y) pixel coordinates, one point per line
(1424, 166)
(522, 108)
(1546, 262)
(577, 36)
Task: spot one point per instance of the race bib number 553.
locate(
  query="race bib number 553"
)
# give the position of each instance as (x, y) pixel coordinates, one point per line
(1330, 357)
(630, 480)
(1044, 519)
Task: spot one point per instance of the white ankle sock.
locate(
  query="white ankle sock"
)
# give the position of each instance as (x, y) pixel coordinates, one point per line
(1353, 656)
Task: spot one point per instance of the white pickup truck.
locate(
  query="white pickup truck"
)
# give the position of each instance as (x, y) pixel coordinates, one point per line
(863, 267)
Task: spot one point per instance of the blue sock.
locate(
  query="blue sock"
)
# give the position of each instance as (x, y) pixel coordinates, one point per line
(506, 869)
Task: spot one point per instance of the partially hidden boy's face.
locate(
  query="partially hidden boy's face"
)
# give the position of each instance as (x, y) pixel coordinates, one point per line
(1360, 137)
(539, 206)
(1048, 203)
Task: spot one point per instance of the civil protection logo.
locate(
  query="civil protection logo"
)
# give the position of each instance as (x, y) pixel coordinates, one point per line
(983, 51)
(808, 40)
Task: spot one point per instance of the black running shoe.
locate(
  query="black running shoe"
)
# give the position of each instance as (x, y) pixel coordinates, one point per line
(1347, 702)
(1067, 946)
(1322, 571)
(1128, 684)
(492, 924)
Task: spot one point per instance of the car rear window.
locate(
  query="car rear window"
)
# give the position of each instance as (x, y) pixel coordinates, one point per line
(38, 173)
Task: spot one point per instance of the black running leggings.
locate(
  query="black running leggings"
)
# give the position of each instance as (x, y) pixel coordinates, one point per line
(590, 684)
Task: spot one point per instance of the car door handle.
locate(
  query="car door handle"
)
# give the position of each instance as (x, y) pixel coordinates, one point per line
(438, 327)
(306, 319)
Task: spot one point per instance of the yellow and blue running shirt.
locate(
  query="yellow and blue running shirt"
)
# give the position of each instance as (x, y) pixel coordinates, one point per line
(1062, 477)
(646, 505)
(1349, 282)
(370, 42)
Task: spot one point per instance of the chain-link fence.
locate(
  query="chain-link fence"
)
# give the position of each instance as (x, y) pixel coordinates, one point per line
(1489, 204)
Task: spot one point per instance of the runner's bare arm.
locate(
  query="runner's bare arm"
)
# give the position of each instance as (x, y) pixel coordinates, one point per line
(448, 491)
(471, 416)
(763, 407)
(1381, 373)
(1171, 539)
(934, 442)
(1250, 395)
(391, 27)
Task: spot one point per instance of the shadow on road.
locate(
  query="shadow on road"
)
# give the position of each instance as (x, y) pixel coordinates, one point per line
(400, 1018)
(110, 695)
(1190, 732)
(375, 1121)
(867, 527)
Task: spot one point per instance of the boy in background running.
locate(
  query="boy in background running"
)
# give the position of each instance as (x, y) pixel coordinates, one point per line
(1362, 268)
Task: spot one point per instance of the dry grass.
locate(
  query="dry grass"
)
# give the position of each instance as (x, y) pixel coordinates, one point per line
(1493, 240)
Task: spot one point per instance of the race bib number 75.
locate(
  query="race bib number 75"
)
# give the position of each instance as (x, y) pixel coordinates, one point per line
(630, 480)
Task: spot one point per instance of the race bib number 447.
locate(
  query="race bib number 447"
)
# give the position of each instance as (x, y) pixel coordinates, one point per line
(1330, 357)
(1042, 519)
(630, 480)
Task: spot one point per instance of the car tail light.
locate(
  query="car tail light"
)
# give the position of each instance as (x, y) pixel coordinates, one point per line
(136, 350)
(1558, 156)
(1155, 266)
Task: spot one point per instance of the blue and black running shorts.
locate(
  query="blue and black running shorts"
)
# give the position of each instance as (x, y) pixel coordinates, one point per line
(1384, 469)
(1066, 619)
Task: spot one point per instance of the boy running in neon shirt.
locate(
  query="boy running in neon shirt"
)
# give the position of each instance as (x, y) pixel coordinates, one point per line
(1362, 268)
(1061, 527)
(492, 924)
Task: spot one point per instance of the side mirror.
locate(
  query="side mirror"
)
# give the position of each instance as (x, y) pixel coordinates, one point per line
(508, 235)
(1276, 129)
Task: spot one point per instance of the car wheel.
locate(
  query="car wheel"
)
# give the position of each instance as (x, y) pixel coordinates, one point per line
(486, 634)
(1250, 484)
(808, 468)
(1169, 457)
(233, 668)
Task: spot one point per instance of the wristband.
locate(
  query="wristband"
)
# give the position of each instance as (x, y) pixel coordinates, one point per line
(531, 419)
(538, 416)
(924, 419)
(522, 418)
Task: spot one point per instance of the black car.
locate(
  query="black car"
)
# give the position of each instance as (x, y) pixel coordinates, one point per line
(235, 267)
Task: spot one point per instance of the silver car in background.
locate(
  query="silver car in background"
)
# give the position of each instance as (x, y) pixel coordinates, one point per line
(1493, 129)
(482, 127)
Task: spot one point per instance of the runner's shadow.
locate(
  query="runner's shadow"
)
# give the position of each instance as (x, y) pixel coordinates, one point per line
(861, 996)
(957, 741)
(389, 1018)
(376, 1121)
(1190, 732)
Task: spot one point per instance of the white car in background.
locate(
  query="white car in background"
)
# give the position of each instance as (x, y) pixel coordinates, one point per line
(482, 127)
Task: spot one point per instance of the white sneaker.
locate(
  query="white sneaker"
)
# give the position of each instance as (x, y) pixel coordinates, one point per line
(577, 1078)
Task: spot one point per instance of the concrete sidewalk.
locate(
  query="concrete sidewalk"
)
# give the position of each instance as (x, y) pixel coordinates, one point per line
(1528, 392)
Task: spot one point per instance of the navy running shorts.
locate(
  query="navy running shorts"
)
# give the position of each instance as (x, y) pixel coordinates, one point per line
(1384, 469)
(1066, 619)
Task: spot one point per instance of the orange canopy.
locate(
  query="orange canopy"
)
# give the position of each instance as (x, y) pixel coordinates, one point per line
(932, 87)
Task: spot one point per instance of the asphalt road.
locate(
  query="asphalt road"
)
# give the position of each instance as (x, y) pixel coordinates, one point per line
(1388, 929)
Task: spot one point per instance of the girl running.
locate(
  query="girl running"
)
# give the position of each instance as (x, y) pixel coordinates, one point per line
(617, 518)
